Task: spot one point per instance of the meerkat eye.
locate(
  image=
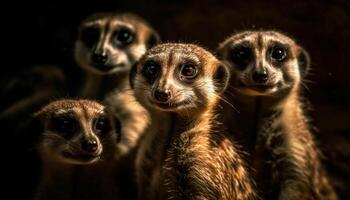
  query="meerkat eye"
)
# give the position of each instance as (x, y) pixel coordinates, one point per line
(124, 36)
(65, 125)
(102, 125)
(90, 36)
(189, 71)
(278, 54)
(240, 54)
(150, 71)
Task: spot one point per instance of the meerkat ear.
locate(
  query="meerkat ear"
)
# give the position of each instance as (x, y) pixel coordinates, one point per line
(152, 40)
(132, 75)
(304, 62)
(221, 77)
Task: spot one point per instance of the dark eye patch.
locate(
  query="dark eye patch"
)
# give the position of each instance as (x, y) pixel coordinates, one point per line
(123, 36)
(65, 124)
(278, 52)
(241, 55)
(150, 71)
(90, 36)
(189, 71)
(102, 125)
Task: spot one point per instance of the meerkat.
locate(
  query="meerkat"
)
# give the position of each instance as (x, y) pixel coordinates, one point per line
(185, 154)
(267, 70)
(76, 145)
(108, 45)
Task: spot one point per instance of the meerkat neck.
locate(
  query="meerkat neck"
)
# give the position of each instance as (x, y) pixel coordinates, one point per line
(291, 107)
(199, 120)
(99, 86)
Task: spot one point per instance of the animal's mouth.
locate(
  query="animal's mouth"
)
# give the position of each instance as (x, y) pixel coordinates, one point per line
(169, 105)
(262, 87)
(265, 87)
(82, 157)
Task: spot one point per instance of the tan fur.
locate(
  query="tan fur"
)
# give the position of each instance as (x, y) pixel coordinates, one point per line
(186, 154)
(112, 86)
(270, 122)
(69, 178)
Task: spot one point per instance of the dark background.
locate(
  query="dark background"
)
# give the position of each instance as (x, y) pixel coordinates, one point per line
(45, 33)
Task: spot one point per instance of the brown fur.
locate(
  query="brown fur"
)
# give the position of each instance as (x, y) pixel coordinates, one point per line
(270, 123)
(70, 178)
(112, 86)
(186, 154)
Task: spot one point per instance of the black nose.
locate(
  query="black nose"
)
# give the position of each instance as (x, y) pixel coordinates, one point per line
(89, 145)
(162, 95)
(260, 76)
(99, 58)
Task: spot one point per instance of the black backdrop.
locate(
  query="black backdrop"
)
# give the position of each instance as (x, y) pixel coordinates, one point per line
(44, 34)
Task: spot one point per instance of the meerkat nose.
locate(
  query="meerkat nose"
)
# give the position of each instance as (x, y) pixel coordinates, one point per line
(89, 145)
(260, 76)
(99, 58)
(162, 95)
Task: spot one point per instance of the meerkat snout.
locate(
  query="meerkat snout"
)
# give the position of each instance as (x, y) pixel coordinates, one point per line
(162, 95)
(76, 131)
(176, 83)
(110, 43)
(89, 145)
(264, 63)
(99, 58)
(260, 75)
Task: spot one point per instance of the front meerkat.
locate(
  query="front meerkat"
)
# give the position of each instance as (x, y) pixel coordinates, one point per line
(185, 154)
(267, 71)
(108, 45)
(76, 146)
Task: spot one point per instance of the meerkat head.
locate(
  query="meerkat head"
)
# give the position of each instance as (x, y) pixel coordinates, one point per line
(75, 131)
(178, 78)
(111, 43)
(264, 62)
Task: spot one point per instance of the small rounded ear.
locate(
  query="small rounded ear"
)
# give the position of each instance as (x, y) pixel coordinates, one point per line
(152, 40)
(221, 77)
(304, 62)
(132, 75)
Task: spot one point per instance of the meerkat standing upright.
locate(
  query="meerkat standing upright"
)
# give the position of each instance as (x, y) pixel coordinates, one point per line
(108, 45)
(268, 68)
(77, 147)
(185, 153)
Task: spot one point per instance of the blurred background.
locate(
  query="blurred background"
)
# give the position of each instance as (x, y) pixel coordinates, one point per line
(44, 34)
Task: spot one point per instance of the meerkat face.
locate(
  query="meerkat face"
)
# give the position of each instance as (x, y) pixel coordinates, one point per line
(111, 43)
(264, 63)
(178, 77)
(74, 131)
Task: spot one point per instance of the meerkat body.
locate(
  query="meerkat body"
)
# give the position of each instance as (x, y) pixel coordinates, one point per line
(77, 147)
(185, 154)
(269, 119)
(107, 46)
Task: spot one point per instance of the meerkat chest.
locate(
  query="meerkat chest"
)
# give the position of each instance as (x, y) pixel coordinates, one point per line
(182, 157)
(269, 153)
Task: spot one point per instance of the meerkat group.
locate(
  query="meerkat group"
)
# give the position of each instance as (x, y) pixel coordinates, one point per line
(175, 121)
